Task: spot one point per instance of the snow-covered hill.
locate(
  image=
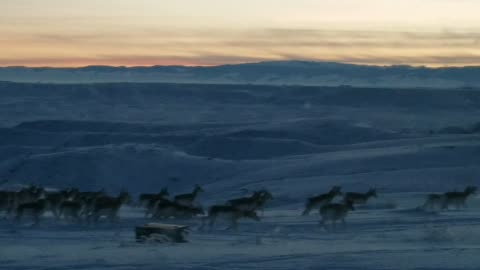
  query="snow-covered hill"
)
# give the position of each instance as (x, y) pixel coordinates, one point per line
(141, 136)
(265, 73)
(232, 139)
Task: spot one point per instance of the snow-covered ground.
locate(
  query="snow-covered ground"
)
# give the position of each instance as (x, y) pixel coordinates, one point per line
(400, 238)
(295, 141)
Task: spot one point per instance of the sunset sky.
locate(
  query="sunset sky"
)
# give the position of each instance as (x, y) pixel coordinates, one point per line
(212, 32)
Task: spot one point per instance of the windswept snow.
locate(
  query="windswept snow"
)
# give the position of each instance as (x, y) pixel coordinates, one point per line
(263, 73)
(233, 139)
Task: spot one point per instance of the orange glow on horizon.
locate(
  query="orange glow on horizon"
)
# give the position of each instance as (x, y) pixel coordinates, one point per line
(60, 33)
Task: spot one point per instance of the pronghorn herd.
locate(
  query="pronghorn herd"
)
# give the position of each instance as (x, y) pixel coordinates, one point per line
(69, 204)
(446, 200)
(158, 206)
(76, 206)
(336, 211)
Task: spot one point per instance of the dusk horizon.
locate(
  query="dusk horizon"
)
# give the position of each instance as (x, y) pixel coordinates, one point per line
(315, 61)
(227, 134)
(212, 32)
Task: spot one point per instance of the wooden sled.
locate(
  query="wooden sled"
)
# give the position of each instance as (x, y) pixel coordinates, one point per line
(158, 232)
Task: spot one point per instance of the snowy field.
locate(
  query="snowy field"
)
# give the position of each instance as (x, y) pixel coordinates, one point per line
(401, 238)
(231, 140)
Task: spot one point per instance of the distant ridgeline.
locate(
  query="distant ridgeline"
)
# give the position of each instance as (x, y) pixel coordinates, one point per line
(266, 73)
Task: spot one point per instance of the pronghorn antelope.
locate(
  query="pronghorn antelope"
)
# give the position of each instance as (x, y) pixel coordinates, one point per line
(88, 199)
(457, 199)
(152, 205)
(168, 209)
(318, 201)
(146, 198)
(256, 201)
(263, 198)
(108, 206)
(151, 202)
(360, 198)
(8, 201)
(188, 198)
(229, 213)
(71, 210)
(70, 193)
(33, 209)
(335, 211)
(55, 199)
(245, 203)
(91, 194)
(434, 201)
(30, 194)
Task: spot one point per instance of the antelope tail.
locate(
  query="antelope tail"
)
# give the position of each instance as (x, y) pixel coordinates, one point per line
(308, 206)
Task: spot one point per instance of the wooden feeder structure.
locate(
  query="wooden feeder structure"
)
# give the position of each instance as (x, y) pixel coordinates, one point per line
(159, 232)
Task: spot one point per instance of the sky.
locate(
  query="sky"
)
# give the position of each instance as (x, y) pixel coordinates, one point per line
(67, 33)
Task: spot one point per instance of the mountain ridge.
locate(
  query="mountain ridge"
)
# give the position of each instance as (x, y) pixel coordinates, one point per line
(293, 72)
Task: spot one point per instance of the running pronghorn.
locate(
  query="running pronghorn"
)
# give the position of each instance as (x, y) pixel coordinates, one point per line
(109, 206)
(434, 201)
(335, 211)
(55, 199)
(70, 193)
(318, 201)
(167, 209)
(458, 198)
(146, 199)
(91, 194)
(188, 198)
(252, 203)
(30, 194)
(34, 209)
(151, 202)
(88, 199)
(245, 203)
(264, 197)
(8, 202)
(229, 213)
(71, 210)
(360, 198)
